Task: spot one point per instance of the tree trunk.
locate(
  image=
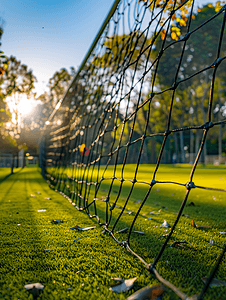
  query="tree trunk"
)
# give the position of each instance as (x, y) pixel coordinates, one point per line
(12, 165)
(191, 146)
(182, 146)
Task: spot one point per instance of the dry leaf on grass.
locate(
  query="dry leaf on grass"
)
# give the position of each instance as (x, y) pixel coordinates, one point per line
(154, 213)
(178, 243)
(211, 242)
(47, 250)
(214, 282)
(148, 293)
(193, 224)
(165, 224)
(76, 239)
(204, 226)
(34, 289)
(123, 230)
(56, 221)
(122, 285)
(164, 235)
(191, 204)
(37, 285)
(140, 232)
(82, 229)
(119, 207)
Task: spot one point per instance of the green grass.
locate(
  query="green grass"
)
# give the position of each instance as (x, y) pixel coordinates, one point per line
(86, 266)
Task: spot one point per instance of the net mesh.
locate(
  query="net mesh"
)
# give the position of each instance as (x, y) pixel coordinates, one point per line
(150, 92)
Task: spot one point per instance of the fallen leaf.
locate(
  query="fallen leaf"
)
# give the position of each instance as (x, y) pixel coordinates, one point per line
(69, 289)
(148, 293)
(181, 242)
(165, 224)
(47, 198)
(191, 204)
(153, 213)
(140, 232)
(76, 239)
(214, 282)
(32, 195)
(149, 218)
(56, 221)
(123, 230)
(204, 226)
(138, 201)
(193, 224)
(123, 285)
(47, 250)
(211, 242)
(82, 229)
(187, 216)
(37, 285)
(34, 289)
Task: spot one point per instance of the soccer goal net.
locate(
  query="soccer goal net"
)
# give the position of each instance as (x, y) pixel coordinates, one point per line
(149, 93)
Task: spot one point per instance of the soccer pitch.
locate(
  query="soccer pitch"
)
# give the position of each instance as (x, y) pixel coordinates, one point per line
(83, 262)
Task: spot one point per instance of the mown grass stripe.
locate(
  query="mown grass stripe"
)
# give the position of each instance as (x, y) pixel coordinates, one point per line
(88, 264)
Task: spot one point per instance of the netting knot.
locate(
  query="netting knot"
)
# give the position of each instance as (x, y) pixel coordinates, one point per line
(153, 182)
(216, 62)
(113, 206)
(167, 132)
(190, 185)
(134, 180)
(186, 37)
(150, 268)
(107, 199)
(123, 244)
(207, 125)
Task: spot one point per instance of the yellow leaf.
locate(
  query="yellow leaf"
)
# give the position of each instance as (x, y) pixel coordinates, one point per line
(174, 36)
(193, 17)
(198, 10)
(163, 34)
(217, 8)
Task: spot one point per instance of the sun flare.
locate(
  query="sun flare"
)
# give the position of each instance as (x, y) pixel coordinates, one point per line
(20, 105)
(25, 106)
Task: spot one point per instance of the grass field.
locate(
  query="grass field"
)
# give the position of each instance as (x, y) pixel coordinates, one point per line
(83, 269)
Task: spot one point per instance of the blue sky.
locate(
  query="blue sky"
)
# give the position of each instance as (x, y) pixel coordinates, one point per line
(48, 35)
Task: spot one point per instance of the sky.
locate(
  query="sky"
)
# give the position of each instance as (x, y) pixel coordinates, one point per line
(48, 35)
